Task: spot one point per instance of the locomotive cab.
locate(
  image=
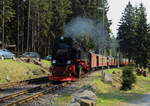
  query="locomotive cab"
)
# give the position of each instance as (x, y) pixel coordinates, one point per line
(68, 59)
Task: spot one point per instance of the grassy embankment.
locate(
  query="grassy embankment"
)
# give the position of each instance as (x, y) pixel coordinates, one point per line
(11, 70)
(109, 94)
(113, 96)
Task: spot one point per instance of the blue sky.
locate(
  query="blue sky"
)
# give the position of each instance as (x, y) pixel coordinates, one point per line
(117, 7)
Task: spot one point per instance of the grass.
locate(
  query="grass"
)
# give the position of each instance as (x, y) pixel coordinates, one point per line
(46, 63)
(11, 70)
(110, 94)
(142, 86)
(113, 70)
(96, 85)
(114, 96)
(62, 100)
(107, 94)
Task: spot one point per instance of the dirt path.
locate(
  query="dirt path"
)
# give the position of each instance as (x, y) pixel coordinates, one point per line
(142, 101)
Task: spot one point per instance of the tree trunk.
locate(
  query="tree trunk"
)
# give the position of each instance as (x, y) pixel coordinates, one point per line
(3, 24)
(28, 29)
(129, 59)
(32, 39)
(18, 22)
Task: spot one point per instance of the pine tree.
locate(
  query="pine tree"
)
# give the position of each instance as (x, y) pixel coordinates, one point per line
(61, 11)
(6, 14)
(142, 37)
(126, 32)
(33, 24)
(128, 78)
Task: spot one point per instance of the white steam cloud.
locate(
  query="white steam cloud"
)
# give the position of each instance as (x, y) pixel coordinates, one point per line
(95, 29)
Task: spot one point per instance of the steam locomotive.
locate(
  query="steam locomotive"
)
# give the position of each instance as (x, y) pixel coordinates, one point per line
(70, 60)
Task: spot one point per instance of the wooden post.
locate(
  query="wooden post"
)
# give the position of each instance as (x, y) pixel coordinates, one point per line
(85, 102)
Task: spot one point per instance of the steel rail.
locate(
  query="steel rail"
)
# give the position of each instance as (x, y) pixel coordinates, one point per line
(36, 95)
(41, 93)
(14, 84)
(23, 92)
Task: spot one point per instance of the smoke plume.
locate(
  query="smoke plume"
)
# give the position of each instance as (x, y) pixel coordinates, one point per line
(82, 25)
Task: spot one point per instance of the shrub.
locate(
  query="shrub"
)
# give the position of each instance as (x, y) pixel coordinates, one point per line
(128, 78)
(148, 65)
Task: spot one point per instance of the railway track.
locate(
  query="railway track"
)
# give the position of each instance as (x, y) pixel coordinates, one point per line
(12, 84)
(21, 83)
(34, 93)
(6, 100)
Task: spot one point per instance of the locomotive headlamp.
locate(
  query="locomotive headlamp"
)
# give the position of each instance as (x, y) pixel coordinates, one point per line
(62, 38)
(54, 61)
(69, 62)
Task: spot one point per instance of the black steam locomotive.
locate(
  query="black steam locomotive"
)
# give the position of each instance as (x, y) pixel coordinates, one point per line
(70, 60)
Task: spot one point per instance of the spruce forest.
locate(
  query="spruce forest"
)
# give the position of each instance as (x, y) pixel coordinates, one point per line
(32, 25)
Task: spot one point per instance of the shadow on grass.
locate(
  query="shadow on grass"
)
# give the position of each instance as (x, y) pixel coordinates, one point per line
(142, 101)
(120, 96)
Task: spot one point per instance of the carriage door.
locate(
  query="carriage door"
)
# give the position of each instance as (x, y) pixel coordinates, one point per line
(97, 60)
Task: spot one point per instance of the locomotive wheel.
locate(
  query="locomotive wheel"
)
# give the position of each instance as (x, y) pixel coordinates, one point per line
(79, 70)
